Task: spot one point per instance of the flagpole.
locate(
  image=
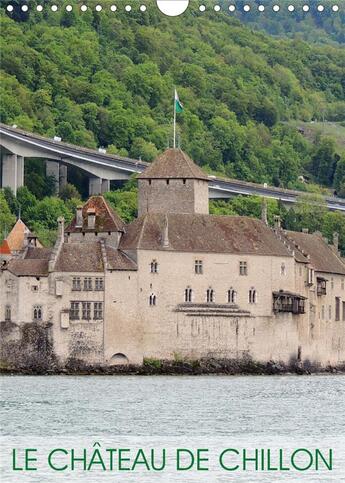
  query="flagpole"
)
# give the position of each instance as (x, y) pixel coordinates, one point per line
(174, 119)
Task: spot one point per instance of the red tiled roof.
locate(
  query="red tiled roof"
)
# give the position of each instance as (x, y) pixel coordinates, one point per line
(4, 248)
(107, 220)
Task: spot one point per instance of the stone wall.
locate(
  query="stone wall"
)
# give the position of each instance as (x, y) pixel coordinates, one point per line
(172, 196)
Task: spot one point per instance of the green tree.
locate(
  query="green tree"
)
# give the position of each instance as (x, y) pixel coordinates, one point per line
(11, 200)
(324, 161)
(7, 219)
(69, 191)
(47, 211)
(339, 176)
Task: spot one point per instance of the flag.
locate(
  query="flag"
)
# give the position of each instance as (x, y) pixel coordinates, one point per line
(178, 103)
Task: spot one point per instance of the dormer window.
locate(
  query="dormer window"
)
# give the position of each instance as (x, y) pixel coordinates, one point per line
(154, 266)
(91, 218)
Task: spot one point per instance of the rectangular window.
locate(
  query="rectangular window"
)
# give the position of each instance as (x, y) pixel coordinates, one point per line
(198, 267)
(323, 312)
(342, 284)
(8, 313)
(344, 311)
(98, 310)
(86, 310)
(243, 268)
(337, 309)
(74, 311)
(87, 283)
(99, 283)
(329, 312)
(76, 283)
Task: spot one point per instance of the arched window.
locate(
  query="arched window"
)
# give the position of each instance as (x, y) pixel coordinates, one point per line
(210, 295)
(152, 300)
(188, 295)
(37, 312)
(252, 296)
(283, 269)
(231, 296)
(154, 266)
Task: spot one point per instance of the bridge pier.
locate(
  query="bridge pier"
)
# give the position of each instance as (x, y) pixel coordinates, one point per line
(98, 186)
(105, 185)
(59, 171)
(53, 169)
(63, 175)
(12, 171)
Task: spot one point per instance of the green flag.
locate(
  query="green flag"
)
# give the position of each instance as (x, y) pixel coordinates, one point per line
(178, 104)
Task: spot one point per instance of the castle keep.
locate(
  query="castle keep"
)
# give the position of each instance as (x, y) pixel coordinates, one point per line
(176, 282)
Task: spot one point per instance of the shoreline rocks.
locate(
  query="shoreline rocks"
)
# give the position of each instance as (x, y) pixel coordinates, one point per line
(199, 367)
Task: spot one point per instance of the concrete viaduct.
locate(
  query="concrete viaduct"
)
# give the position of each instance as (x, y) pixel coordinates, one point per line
(101, 168)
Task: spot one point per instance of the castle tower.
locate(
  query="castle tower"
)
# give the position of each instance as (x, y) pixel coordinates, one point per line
(173, 183)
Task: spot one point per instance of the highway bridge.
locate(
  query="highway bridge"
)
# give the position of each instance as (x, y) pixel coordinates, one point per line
(101, 167)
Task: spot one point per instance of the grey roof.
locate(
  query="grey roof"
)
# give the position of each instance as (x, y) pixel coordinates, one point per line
(173, 163)
(118, 260)
(203, 233)
(80, 257)
(322, 256)
(28, 267)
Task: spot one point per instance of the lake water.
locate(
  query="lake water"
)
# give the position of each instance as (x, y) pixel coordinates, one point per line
(209, 412)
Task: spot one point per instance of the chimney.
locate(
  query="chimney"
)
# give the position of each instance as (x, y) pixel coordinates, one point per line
(26, 238)
(277, 222)
(61, 227)
(264, 211)
(91, 218)
(336, 241)
(79, 217)
(165, 238)
(305, 230)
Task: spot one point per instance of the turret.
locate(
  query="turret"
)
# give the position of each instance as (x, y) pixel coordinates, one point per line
(173, 183)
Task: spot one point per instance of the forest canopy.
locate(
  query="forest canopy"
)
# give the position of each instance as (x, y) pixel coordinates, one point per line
(106, 79)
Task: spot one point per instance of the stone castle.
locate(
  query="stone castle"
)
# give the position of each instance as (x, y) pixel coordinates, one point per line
(176, 282)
